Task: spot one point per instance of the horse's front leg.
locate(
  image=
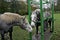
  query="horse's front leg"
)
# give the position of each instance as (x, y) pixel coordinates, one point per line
(45, 25)
(2, 35)
(50, 24)
(10, 33)
(36, 29)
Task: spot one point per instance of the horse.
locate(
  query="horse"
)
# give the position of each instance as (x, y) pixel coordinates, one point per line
(8, 20)
(35, 19)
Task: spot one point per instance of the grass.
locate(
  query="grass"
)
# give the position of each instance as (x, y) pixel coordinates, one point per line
(56, 35)
(19, 34)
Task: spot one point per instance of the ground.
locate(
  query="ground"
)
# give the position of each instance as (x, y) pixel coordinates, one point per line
(19, 34)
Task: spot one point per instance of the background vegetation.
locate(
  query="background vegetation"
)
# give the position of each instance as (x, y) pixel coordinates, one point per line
(19, 7)
(14, 6)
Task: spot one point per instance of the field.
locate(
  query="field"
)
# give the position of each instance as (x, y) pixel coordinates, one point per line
(19, 34)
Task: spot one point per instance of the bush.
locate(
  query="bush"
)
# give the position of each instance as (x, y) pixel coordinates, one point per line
(18, 7)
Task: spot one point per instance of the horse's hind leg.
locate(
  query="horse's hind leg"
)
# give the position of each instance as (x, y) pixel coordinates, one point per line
(10, 33)
(2, 35)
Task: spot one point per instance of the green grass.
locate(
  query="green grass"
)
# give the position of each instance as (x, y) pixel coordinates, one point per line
(19, 34)
(56, 35)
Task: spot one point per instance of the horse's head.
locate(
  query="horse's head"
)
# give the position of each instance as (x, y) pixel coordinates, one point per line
(33, 18)
(25, 24)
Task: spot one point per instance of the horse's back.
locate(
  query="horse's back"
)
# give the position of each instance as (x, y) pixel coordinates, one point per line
(9, 17)
(11, 14)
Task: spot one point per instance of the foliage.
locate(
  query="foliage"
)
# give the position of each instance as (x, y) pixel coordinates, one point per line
(18, 7)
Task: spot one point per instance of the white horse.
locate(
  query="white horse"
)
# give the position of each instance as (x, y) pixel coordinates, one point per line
(35, 18)
(9, 20)
(36, 14)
